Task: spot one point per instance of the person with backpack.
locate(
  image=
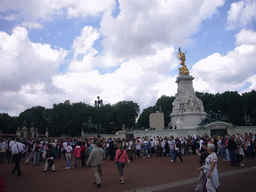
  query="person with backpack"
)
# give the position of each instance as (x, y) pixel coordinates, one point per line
(177, 150)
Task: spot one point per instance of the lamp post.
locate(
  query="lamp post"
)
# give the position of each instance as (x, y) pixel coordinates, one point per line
(97, 104)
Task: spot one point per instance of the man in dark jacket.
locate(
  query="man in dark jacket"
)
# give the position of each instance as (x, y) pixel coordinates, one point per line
(232, 146)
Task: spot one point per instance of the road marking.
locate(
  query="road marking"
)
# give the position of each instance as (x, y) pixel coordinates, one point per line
(187, 181)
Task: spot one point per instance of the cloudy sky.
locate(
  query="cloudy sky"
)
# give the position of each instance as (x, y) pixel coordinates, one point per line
(57, 50)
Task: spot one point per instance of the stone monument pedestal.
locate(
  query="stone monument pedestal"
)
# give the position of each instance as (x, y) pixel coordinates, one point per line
(188, 110)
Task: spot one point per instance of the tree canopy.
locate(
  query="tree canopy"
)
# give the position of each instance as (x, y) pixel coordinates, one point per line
(69, 118)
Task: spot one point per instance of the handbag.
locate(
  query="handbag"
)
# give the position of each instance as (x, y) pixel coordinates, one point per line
(119, 156)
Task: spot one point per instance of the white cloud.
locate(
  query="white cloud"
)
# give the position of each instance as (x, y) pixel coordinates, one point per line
(139, 80)
(10, 17)
(246, 37)
(241, 14)
(26, 68)
(218, 73)
(32, 25)
(146, 26)
(138, 44)
(83, 51)
(252, 81)
(44, 9)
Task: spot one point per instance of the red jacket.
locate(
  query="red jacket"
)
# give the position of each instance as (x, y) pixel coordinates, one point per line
(83, 148)
(77, 151)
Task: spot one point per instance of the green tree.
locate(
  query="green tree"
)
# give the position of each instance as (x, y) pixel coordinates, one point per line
(208, 100)
(59, 119)
(8, 124)
(230, 103)
(35, 115)
(107, 118)
(143, 120)
(126, 112)
(165, 104)
(249, 107)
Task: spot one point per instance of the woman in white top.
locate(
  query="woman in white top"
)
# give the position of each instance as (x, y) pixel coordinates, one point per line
(210, 169)
(138, 148)
(3, 152)
(69, 150)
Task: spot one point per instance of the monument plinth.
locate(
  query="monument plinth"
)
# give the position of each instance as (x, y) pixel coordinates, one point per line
(188, 110)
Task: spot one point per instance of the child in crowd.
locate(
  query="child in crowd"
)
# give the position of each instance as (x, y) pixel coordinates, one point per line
(241, 155)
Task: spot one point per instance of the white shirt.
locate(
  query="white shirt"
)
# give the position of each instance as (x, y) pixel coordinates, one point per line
(201, 144)
(163, 144)
(138, 146)
(129, 145)
(23, 148)
(64, 145)
(11, 143)
(145, 143)
(69, 149)
(16, 148)
(241, 151)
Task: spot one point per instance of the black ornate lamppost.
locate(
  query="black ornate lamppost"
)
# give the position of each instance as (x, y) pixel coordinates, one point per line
(97, 104)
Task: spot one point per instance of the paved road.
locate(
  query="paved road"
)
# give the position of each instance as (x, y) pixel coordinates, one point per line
(150, 174)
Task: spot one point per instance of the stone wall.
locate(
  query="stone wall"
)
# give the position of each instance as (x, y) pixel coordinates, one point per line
(184, 133)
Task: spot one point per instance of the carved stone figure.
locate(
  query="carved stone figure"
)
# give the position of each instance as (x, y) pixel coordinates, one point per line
(176, 102)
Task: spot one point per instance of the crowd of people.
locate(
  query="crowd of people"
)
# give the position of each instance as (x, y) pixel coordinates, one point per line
(83, 151)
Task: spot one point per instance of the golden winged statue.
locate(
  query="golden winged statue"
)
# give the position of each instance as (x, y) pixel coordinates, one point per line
(182, 57)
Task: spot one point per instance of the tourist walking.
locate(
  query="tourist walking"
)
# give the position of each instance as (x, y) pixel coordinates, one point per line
(138, 148)
(148, 147)
(172, 148)
(83, 154)
(96, 160)
(49, 163)
(203, 154)
(121, 159)
(232, 147)
(36, 153)
(68, 155)
(111, 150)
(31, 152)
(223, 148)
(129, 149)
(77, 155)
(177, 150)
(16, 155)
(3, 152)
(210, 169)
